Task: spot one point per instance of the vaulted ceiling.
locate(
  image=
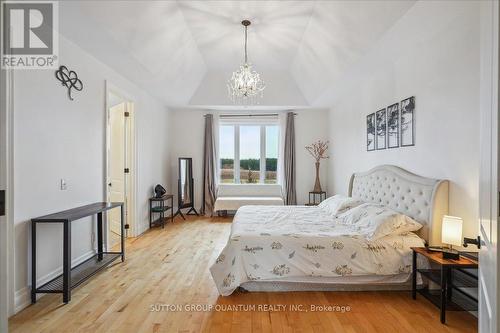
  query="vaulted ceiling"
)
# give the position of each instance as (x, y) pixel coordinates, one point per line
(182, 52)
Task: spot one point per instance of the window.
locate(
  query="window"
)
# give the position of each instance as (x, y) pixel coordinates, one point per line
(249, 152)
(272, 143)
(226, 148)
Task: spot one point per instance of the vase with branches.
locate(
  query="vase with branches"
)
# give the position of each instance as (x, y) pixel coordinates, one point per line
(250, 176)
(318, 150)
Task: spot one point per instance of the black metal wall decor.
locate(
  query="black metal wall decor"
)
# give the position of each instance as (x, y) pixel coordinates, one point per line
(391, 127)
(370, 132)
(69, 79)
(381, 129)
(408, 122)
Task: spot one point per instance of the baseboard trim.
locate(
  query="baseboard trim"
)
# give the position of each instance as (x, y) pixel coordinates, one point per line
(142, 228)
(22, 297)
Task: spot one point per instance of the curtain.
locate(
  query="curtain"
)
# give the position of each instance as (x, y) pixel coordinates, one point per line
(215, 128)
(281, 173)
(209, 168)
(289, 168)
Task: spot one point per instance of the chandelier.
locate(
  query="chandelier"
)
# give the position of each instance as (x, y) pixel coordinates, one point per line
(245, 84)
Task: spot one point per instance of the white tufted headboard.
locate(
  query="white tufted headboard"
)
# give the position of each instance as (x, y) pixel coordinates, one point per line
(423, 199)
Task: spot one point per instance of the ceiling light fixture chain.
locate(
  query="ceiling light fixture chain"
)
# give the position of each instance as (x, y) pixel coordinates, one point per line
(246, 23)
(245, 84)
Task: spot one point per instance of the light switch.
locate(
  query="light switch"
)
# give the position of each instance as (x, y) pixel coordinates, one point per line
(64, 186)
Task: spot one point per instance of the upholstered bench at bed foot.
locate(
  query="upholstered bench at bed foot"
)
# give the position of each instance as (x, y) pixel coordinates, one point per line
(230, 197)
(233, 203)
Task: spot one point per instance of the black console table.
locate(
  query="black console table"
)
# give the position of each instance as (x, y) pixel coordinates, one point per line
(74, 276)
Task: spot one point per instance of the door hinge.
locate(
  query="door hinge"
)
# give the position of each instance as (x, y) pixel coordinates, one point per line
(127, 170)
(127, 114)
(2, 202)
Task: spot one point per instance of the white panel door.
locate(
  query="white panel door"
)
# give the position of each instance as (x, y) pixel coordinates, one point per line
(116, 174)
(488, 182)
(4, 230)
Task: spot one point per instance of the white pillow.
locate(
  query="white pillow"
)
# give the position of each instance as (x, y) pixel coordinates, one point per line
(339, 204)
(376, 221)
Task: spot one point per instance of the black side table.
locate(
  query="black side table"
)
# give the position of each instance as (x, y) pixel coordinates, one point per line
(453, 278)
(157, 206)
(316, 195)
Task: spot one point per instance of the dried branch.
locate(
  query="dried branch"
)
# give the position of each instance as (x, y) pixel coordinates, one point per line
(318, 150)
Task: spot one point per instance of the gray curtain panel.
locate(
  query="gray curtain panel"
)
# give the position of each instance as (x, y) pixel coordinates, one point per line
(289, 167)
(209, 171)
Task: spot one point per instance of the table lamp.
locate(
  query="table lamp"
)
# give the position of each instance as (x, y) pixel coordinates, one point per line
(451, 235)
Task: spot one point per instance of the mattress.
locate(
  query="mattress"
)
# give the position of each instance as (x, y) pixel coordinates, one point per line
(341, 283)
(276, 243)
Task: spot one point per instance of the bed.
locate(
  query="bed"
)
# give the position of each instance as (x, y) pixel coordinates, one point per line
(285, 248)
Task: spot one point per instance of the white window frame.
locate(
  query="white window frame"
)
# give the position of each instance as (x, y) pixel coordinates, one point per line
(262, 123)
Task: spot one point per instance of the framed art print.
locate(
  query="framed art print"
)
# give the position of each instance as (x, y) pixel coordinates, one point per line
(393, 126)
(381, 129)
(370, 132)
(407, 120)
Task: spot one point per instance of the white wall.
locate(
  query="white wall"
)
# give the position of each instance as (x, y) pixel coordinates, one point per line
(310, 125)
(431, 53)
(186, 136)
(187, 141)
(57, 138)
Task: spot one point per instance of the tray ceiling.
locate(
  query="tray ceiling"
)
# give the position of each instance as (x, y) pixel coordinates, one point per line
(168, 47)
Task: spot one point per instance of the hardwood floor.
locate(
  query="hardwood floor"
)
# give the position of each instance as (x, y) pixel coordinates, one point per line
(170, 266)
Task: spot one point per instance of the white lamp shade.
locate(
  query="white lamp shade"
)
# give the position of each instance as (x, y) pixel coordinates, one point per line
(452, 230)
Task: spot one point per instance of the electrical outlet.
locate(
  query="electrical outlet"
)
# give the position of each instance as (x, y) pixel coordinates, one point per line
(64, 185)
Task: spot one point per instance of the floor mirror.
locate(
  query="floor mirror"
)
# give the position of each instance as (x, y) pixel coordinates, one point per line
(186, 187)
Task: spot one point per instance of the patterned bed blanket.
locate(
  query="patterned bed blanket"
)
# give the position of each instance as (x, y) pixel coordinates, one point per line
(272, 242)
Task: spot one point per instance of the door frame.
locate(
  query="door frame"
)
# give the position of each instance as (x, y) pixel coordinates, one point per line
(132, 184)
(489, 283)
(7, 236)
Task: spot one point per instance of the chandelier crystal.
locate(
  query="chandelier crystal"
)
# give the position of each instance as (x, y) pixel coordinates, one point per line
(245, 84)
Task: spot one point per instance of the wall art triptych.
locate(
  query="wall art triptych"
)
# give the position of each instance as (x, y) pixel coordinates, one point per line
(391, 127)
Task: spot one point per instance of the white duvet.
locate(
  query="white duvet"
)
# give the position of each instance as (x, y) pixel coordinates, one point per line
(272, 242)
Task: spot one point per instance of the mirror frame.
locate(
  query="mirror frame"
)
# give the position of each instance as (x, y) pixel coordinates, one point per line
(180, 203)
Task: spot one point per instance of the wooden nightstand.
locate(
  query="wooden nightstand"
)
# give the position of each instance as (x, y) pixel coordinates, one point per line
(451, 276)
